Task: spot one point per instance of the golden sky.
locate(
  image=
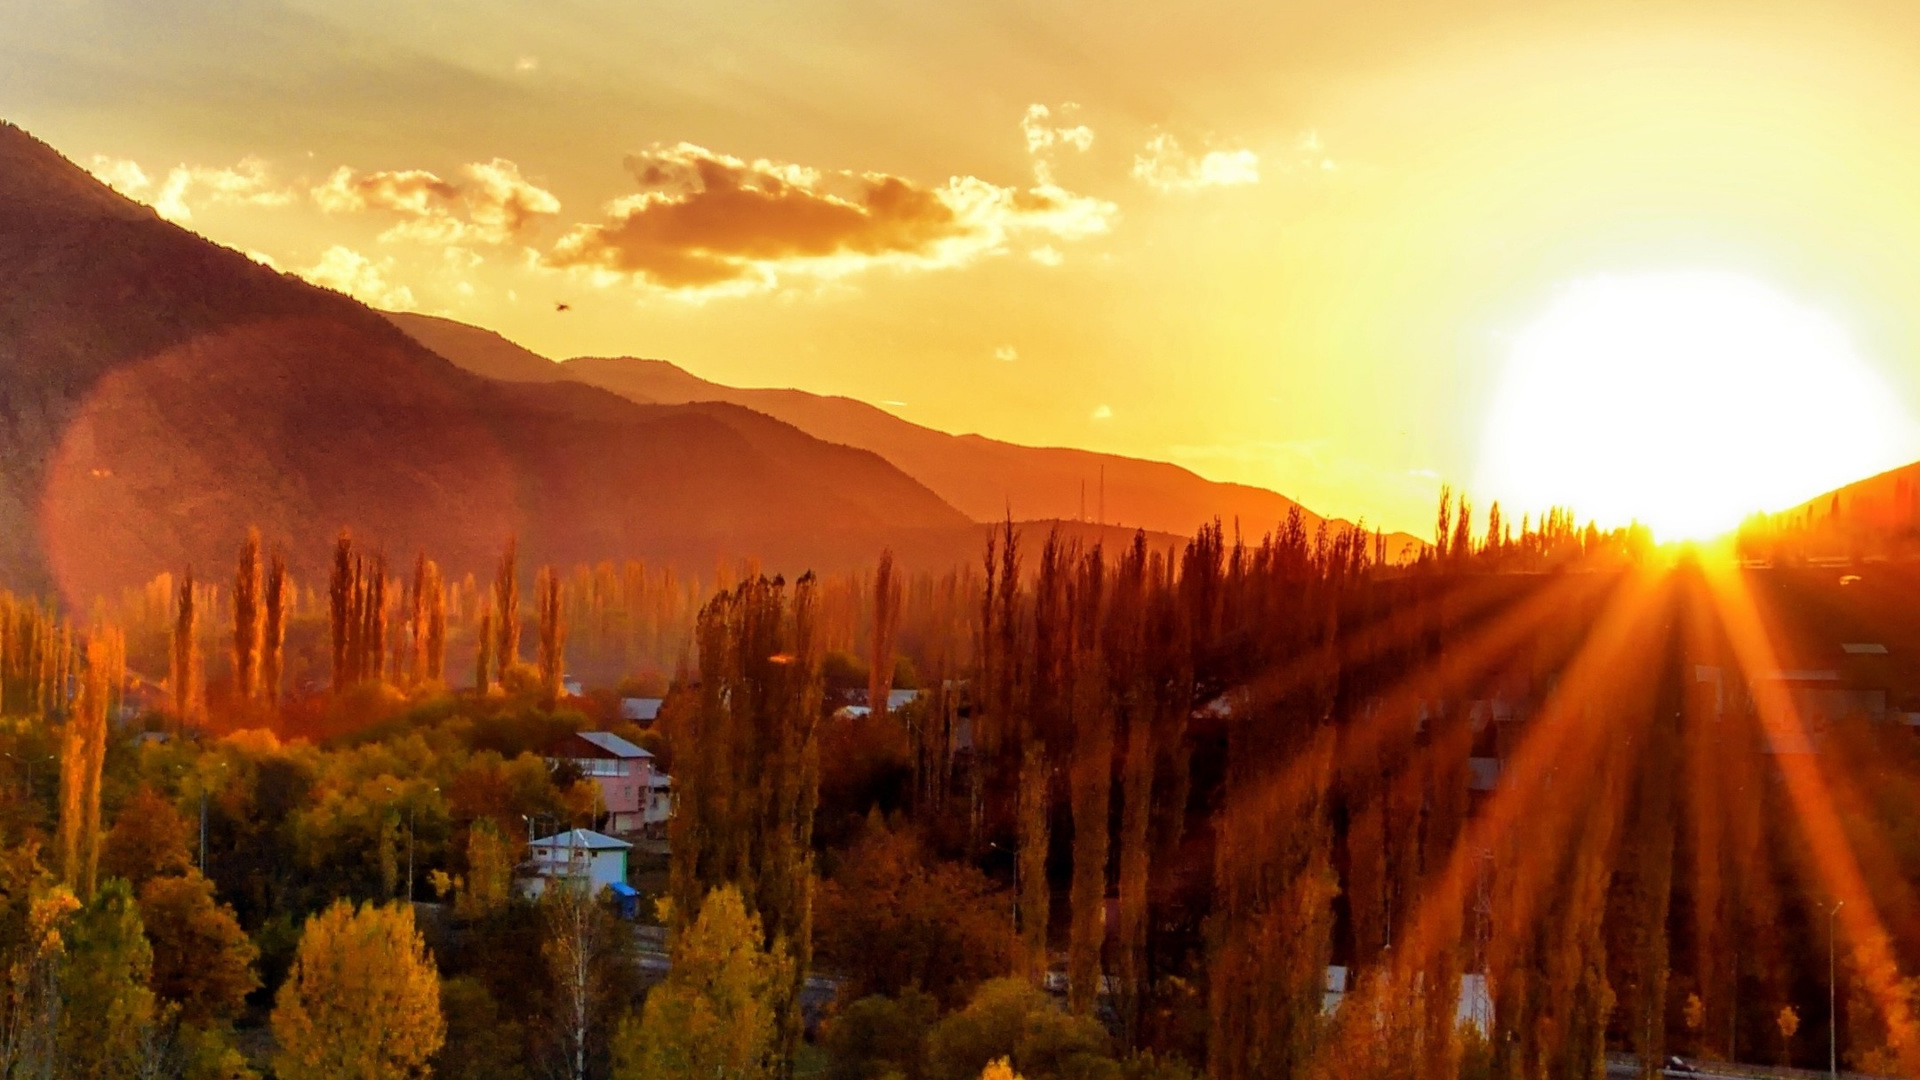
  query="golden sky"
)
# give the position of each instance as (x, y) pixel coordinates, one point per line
(1283, 243)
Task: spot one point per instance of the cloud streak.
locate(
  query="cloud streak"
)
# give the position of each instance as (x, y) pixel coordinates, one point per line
(1165, 165)
(492, 204)
(708, 222)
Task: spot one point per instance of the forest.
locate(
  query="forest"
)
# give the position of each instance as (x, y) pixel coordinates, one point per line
(1240, 808)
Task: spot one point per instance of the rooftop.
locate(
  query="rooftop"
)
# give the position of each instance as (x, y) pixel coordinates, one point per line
(582, 839)
(613, 744)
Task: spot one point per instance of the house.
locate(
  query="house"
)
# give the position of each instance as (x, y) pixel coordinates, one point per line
(641, 710)
(623, 771)
(579, 857)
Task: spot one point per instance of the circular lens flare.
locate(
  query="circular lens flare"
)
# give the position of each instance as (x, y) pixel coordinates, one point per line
(1684, 400)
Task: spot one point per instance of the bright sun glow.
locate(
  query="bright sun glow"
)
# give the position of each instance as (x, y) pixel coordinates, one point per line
(1684, 400)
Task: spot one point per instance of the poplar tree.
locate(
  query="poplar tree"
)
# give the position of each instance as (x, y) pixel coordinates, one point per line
(186, 652)
(482, 654)
(416, 670)
(506, 605)
(435, 650)
(83, 753)
(553, 634)
(886, 627)
(246, 619)
(1091, 780)
(750, 780)
(273, 630)
(340, 610)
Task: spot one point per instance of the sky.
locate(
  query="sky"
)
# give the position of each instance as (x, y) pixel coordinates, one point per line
(1286, 243)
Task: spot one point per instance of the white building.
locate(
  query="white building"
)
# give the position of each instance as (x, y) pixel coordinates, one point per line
(580, 857)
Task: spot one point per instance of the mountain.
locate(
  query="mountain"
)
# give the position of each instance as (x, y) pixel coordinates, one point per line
(160, 394)
(986, 479)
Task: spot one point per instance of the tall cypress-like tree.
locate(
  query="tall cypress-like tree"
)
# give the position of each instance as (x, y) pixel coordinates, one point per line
(186, 652)
(416, 670)
(506, 606)
(83, 754)
(1091, 780)
(435, 650)
(886, 627)
(553, 634)
(341, 588)
(246, 619)
(273, 629)
(483, 654)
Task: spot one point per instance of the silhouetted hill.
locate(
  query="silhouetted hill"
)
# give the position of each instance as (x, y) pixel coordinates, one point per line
(159, 393)
(984, 478)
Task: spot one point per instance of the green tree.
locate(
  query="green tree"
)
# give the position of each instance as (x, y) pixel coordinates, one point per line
(717, 1015)
(202, 960)
(482, 1042)
(108, 1017)
(362, 1001)
(1009, 1018)
(878, 1037)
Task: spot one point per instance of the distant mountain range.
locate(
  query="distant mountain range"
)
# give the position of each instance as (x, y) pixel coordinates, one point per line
(160, 393)
(986, 479)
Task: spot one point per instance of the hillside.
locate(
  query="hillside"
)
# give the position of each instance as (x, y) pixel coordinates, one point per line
(986, 479)
(161, 393)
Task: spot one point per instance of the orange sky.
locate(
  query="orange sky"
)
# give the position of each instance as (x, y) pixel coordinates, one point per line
(1282, 243)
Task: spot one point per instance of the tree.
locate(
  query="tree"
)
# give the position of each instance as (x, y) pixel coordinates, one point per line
(246, 619)
(362, 1001)
(149, 839)
(83, 754)
(717, 1015)
(886, 627)
(895, 917)
(108, 1015)
(341, 590)
(506, 605)
(1010, 1019)
(590, 970)
(488, 885)
(877, 1037)
(553, 635)
(35, 925)
(436, 647)
(202, 960)
(482, 1043)
(1788, 1023)
(185, 674)
(273, 630)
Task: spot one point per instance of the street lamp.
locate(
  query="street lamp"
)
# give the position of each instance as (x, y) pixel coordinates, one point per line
(1833, 1036)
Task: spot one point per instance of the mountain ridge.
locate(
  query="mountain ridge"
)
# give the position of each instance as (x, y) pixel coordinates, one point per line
(159, 394)
(985, 478)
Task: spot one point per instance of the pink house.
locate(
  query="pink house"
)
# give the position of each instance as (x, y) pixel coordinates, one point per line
(624, 772)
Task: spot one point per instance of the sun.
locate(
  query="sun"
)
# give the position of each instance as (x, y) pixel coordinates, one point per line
(1685, 400)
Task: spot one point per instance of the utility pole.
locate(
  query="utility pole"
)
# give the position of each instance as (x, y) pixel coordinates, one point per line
(1833, 1034)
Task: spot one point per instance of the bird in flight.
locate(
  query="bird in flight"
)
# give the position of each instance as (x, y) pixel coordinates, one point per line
(562, 305)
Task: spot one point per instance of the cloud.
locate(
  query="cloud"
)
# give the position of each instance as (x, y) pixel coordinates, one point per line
(527, 63)
(1103, 412)
(709, 222)
(1167, 166)
(493, 204)
(345, 270)
(1006, 354)
(174, 196)
(1045, 135)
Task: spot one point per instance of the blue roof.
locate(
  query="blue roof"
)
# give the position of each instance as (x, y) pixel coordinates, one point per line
(614, 744)
(643, 709)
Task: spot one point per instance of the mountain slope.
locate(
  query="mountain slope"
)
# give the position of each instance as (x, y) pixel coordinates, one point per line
(159, 394)
(984, 478)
